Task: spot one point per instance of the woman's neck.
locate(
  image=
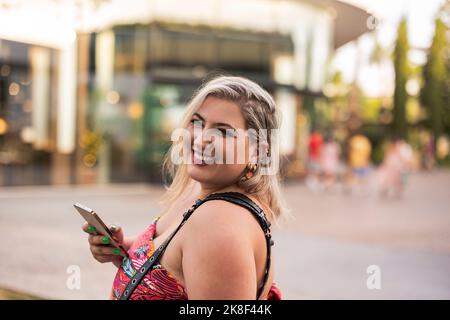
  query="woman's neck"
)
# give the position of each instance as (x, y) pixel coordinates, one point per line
(202, 191)
(206, 190)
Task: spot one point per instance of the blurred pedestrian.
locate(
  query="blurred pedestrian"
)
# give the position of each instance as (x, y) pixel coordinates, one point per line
(359, 158)
(329, 161)
(314, 151)
(393, 172)
(406, 155)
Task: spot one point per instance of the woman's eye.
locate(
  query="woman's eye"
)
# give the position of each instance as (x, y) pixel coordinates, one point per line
(196, 123)
(227, 132)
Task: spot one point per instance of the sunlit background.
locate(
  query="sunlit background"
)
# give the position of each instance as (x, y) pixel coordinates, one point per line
(90, 91)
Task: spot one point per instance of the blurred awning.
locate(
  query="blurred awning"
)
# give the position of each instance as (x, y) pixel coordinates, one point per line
(41, 22)
(55, 23)
(350, 19)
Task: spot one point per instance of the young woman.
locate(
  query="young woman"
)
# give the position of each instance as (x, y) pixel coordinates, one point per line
(220, 252)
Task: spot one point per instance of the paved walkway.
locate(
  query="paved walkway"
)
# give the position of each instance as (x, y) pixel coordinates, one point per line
(322, 253)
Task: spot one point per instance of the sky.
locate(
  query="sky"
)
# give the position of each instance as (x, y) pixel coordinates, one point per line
(379, 80)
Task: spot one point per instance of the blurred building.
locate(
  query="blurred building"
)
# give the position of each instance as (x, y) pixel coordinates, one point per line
(91, 90)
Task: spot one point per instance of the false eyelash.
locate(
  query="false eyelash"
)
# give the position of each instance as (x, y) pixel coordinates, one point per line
(225, 132)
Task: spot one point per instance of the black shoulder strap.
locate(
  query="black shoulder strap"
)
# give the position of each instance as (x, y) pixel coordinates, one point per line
(234, 197)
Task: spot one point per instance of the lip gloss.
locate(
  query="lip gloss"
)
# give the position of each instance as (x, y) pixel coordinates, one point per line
(195, 160)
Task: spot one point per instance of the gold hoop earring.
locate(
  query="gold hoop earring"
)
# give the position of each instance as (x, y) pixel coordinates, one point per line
(250, 171)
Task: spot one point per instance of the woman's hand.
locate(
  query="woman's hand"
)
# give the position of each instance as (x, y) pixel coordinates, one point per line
(101, 247)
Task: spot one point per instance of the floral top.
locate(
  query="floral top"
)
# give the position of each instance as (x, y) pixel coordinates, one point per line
(158, 283)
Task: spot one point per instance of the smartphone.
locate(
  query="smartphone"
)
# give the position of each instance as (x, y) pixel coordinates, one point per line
(100, 227)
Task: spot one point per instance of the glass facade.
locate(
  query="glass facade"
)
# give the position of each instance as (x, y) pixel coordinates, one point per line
(26, 73)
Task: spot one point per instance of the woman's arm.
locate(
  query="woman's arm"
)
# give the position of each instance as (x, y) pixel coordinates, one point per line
(217, 254)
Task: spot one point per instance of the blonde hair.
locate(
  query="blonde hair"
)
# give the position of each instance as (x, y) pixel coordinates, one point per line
(260, 112)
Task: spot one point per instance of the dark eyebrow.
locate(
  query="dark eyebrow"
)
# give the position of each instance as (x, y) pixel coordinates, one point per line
(198, 115)
(216, 124)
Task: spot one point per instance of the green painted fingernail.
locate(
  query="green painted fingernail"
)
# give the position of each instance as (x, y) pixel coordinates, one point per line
(91, 228)
(116, 251)
(105, 240)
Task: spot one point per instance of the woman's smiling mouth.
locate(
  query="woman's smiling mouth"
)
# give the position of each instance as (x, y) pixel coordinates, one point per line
(199, 159)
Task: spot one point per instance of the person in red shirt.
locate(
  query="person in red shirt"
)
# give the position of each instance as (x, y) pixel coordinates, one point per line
(314, 152)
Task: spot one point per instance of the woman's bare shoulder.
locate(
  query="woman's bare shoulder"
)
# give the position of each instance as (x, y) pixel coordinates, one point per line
(221, 215)
(218, 252)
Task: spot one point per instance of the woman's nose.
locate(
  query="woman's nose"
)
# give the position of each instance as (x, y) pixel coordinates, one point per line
(200, 139)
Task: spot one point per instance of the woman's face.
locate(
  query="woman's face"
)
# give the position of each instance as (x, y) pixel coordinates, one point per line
(218, 132)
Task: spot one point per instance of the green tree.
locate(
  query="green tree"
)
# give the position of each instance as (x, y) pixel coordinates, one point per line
(401, 77)
(434, 93)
